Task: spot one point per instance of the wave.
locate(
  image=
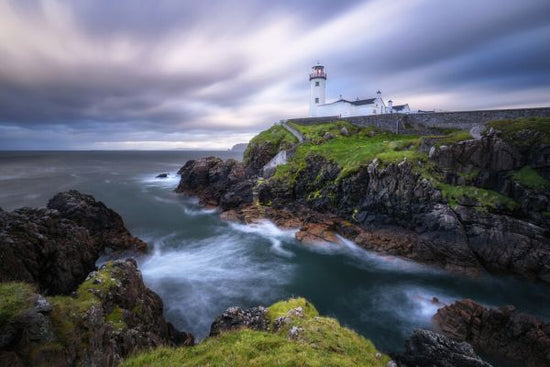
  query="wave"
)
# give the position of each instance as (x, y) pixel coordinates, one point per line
(199, 279)
(268, 230)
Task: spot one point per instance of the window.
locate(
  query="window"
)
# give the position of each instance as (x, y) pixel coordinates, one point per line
(374, 112)
(316, 84)
(316, 100)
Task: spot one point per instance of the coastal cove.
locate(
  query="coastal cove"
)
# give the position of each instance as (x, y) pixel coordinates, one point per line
(200, 265)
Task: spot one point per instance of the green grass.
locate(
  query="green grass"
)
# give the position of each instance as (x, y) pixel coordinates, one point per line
(350, 153)
(68, 311)
(321, 341)
(486, 199)
(453, 137)
(525, 132)
(530, 178)
(276, 136)
(316, 132)
(281, 308)
(15, 298)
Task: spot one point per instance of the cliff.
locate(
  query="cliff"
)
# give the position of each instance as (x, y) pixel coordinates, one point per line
(465, 204)
(56, 309)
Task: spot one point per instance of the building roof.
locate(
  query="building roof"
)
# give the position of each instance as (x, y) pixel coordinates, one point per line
(359, 102)
(400, 107)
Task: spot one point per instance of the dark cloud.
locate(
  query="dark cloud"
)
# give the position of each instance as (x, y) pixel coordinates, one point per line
(90, 73)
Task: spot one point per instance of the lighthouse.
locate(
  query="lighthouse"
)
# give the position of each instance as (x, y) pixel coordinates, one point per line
(318, 86)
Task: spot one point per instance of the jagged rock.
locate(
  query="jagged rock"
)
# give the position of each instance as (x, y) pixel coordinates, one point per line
(428, 349)
(56, 248)
(238, 194)
(162, 175)
(122, 317)
(488, 153)
(505, 244)
(502, 332)
(103, 223)
(236, 318)
(211, 178)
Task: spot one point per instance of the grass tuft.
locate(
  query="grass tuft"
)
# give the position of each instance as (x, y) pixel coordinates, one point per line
(15, 298)
(530, 178)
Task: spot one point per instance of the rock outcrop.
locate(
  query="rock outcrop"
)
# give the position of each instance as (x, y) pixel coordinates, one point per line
(428, 349)
(235, 318)
(427, 209)
(111, 315)
(503, 332)
(216, 182)
(56, 247)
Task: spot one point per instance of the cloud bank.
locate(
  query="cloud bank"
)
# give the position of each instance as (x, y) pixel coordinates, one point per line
(175, 74)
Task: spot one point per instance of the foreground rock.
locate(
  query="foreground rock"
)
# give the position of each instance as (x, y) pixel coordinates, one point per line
(56, 247)
(235, 318)
(502, 333)
(111, 315)
(428, 349)
(287, 333)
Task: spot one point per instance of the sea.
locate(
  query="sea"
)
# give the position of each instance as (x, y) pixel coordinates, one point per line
(200, 265)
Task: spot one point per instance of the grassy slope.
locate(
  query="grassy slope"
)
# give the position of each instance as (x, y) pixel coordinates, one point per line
(278, 138)
(364, 145)
(321, 341)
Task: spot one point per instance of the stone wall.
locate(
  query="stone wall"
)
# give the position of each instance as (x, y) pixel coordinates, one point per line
(417, 122)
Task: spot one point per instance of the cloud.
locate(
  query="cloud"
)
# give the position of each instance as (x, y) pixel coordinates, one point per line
(187, 72)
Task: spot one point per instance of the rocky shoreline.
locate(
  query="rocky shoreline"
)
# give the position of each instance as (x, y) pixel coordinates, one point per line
(56, 308)
(394, 209)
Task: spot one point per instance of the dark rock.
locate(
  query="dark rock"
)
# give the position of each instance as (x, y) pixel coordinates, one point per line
(502, 333)
(506, 245)
(259, 155)
(428, 349)
(56, 249)
(123, 318)
(211, 178)
(102, 223)
(328, 136)
(238, 194)
(162, 175)
(237, 318)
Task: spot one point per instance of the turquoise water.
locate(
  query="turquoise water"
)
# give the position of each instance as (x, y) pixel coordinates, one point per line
(201, 265)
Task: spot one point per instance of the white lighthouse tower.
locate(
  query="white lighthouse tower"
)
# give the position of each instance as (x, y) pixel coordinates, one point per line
(318, 86)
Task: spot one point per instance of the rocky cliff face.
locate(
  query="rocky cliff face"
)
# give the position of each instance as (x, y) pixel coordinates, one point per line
(503, 333)
(56, 310)
(111, 315)
(56, 247)
(470, 205)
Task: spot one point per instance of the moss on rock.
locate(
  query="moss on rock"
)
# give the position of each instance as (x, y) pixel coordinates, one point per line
(15, 298)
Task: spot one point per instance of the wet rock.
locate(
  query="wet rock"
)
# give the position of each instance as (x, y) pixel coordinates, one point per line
(162, 175)
(236, 195)
(56, 247)
(211, 179)
(428, 349)
(503, 332)
(237, 318)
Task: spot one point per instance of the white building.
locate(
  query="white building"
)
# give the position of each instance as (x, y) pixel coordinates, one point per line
(344, 108)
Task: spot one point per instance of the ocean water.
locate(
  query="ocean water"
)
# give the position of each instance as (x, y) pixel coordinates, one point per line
(201, 265)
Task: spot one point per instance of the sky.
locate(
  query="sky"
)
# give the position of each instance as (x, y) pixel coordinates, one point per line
(182, 74)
